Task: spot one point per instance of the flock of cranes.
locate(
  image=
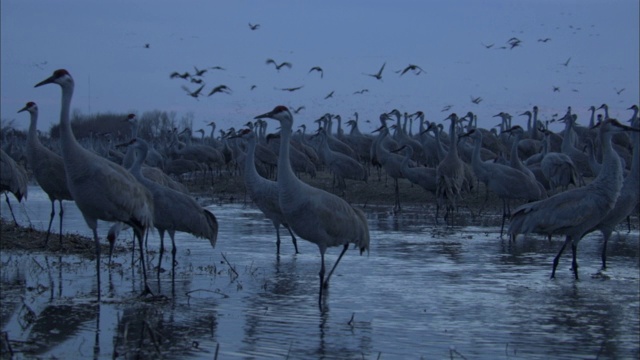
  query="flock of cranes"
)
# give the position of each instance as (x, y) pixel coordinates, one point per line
(534, 166)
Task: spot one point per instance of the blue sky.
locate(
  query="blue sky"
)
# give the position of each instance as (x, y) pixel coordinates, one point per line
(102, 44)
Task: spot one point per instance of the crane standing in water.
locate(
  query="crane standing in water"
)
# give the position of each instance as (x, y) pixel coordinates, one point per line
(314, 214)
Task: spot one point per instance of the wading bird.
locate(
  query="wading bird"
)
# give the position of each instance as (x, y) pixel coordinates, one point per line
(314, 214)
(575, 212)
(13, 179)
(48, 169)
(101, 189)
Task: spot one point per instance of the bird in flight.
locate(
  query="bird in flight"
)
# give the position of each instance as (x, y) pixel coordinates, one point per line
(147, 45)
(253, 87)
(194, 94)
(220, 89)
(415, 68)
(487, 46)
(199, 72)
(217, 68)
(544, 40)
(300, 108)
(618, 91)
(292, 89)
(476, 100)
(448, 107)
(361, 91)
(176, 74)
(278, 66)
(329, 95)
(318, 69)
(196, 81)
(566, 63)
(254, 26)
(378, 75)
(556, 89)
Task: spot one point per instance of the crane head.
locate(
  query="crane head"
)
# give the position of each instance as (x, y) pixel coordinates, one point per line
(59, 77)
(30, 107)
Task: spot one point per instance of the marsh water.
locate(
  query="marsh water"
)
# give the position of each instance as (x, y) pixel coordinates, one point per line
(424, 291)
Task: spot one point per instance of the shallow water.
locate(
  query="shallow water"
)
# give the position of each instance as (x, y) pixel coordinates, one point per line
(423, 291)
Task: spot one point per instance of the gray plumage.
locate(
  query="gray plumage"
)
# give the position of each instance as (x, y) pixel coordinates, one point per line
(575, 212)
(13, 179)
(314, 214)
(101, 189)
(48, 169)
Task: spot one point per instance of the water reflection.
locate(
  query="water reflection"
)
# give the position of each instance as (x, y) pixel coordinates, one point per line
(422, 290)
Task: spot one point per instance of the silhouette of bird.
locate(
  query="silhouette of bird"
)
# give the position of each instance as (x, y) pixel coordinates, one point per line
(173, 210)
(279, 66)
(476, 100)
(575, 212)
(566, 63)
(487, 46)
(544, 40)
(196, 81)
(13, 179)
(176, 74)
(619, 91)
(450, 172)
(194, 94)
(199, 72)
(253, 87)
(314, 214)
(297, 110)
(217, 68)
(292, 89)
(220, 89)
(147, 45)
(415, 68)
(446, 108)
(378, 75)
(254, 26)
(47, 167)
(263, 192)
(329, 95)
(514, 42)
(556, 89)
(101, 189)
(318, 69)
(361, 91)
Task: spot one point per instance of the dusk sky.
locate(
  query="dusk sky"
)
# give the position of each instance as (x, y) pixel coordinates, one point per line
(591, 56)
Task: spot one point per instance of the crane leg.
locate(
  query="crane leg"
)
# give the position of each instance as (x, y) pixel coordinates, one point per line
(604, 251)
(161, 253)
(61, 215)
(293, 239)
(139, 234)
(53, 213)
(174, 250)
(574, 264)
(277, 239)
(10, 209)
(97, 244)
(321, 274)
(344, 249)
(557, 258)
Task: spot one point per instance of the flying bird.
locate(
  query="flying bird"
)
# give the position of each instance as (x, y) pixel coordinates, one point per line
(618, 91)
(544, 40)
(176, 74)
(278, 66)
(253, 87)
(199, 72)
(220, 89)
(292, 89)
(193, 94)
(415, 68)
(329, 95)
(447, 108)
(318, 69)
(217, 68)
(196, 81)
(514, 41)
(361, 91)
(566, 63)
(147, 45)
(476, 100)
(254, 26)
(300, 108)
(487, 46)
(556, 89)
(378, 75)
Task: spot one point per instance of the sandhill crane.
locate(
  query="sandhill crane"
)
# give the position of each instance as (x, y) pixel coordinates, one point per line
(199, 72)
(390, 162)
(476, 100)
(279, 66)
(292, 89)
(314, 214)
(506, 182)
(220, 89)
(173, 210)
(263, 192)
(575, 212)
(254, 26)
(194, 94)
(13, 179)
(340, 165)
(450, 172)
(516, 163)
(329, 95)
(48, 169)
(425, 177)
(318, 69)
(176, 74)
(378, 75)
(101, 189)
(627, 200)
(411, 67)
(558, 168)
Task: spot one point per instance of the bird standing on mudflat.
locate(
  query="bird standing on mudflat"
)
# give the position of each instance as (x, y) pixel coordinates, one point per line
(314, 214)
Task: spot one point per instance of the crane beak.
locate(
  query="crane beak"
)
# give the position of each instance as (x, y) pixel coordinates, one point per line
(265, 115)
(48, 80)
(23, 109)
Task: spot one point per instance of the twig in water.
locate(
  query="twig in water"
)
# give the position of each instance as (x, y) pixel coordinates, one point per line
(350, 323)
(215, 357)
(229, 264)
